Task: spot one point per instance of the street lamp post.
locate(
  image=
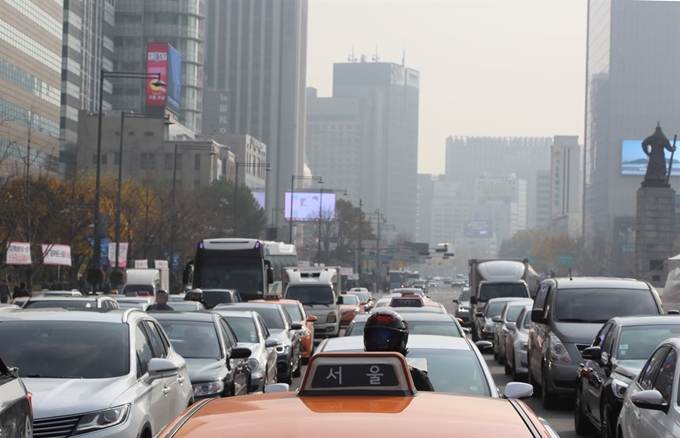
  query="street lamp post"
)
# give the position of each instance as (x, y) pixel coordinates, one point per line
(318, 253)
(97, 190)
(123, 115)
(293, 178)
(266, 167)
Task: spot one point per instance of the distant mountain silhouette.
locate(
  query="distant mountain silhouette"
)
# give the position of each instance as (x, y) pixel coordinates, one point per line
(639, 161)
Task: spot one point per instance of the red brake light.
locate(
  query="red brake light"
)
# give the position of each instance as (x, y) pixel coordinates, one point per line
(384, 318)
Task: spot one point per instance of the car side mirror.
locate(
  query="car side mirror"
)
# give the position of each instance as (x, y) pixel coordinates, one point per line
(497, 319)
(271, 342)
(484, 346)
(312, 318)
(511, 326)
(340, 301)
(518, 390)
(276, 387)
(296, 326)
(240, 353)
(537, 316)
(650, 399)
(479, 315)
(455, 300)
(159, 368)
(592, 353)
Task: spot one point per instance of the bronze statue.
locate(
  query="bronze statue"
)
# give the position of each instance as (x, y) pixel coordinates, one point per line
(654, 147)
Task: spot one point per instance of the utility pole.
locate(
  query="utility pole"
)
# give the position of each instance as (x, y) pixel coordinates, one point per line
(360, 253)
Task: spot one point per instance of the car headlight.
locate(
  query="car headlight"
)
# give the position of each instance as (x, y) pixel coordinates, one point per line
(524, 346)
(558, 352)
(208, 388)
(283, 349)
(332, 317)
(619, 388)
(254, 364)
(102, 419)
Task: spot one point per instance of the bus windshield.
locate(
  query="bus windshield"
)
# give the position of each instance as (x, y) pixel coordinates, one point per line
(243, 275)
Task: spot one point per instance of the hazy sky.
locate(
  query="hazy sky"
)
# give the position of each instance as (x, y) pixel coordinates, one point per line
(487, 67)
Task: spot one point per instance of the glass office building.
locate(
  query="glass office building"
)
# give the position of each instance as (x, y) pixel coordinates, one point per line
(632, 83)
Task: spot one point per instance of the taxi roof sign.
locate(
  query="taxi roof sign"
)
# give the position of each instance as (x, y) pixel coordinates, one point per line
(407, 301)
(358, 373)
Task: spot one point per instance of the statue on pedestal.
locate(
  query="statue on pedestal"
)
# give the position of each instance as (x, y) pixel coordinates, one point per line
(654, 147)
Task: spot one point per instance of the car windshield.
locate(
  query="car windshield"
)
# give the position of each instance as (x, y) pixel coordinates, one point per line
(465, 295)
(494, 308)
(271, 315)
(638, 343)
(245, 329)
(193, 339)
(214, 297)
(227, 273)
(350, 300)
(600, 305)
(513, 313)
(311, 295)
(66, 304)
(66, 349)
(503, 290)
(437, 328)
(293, 310)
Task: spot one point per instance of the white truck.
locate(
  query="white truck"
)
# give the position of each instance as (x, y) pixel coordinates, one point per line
(318, 289)
(145, 281)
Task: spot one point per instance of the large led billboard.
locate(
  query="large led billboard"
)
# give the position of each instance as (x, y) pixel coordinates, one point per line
(307, 206)
(162, 58)
(477, 228)
(634, 160)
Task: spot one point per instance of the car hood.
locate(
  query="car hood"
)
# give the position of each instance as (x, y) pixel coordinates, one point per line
(577, 333)
(281, 335)
(205, 370)
(61, 397)
(630, 368)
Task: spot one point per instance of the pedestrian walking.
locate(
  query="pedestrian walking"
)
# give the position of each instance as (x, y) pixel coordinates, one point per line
(4, 292)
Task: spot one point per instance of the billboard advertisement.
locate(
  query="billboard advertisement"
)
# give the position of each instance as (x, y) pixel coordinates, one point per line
(259, 199)
(478, 228)
(634, 160)
(163, 59)
(307, 205)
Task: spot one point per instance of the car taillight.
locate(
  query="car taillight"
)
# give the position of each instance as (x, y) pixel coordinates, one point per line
(332, 317)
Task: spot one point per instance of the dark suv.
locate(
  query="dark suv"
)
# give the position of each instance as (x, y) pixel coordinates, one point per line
(566, 316)
(16, 415)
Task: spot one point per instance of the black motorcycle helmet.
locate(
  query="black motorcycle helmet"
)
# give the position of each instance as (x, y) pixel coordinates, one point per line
(386, 330)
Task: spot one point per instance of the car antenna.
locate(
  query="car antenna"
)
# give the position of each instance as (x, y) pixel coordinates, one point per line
(570, 277)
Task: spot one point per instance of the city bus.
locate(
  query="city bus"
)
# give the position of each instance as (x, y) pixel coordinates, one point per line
(280, 256)
(397, 279)
(230, 263)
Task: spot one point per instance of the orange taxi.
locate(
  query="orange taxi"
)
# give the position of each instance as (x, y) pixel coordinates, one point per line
(350, 306)
(297, 313)
(374, 388)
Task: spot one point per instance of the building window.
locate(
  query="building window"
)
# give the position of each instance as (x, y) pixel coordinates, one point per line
(104, 159)
(116, 159)
(148, 133)
(197, 161)
(145, 160)
(168, 162)
(152, 161)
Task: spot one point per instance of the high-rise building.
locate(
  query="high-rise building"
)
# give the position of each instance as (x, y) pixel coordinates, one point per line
(87, 49)
(501, 201)
(632, 83)
(256, 51)
(30, 77)
(543, 198)
(565, 180)
(179, 23)
(424, 203)
(342, 145)
(469, 157)
(399, 88)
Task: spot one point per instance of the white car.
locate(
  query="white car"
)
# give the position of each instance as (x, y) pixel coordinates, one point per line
(509, 314)
(516, 344)
(650, 407)
(438, 356)
(108, 373)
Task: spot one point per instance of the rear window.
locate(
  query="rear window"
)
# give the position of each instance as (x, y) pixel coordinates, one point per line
(244, 328)
(67, 304)
(271, 315)
(213, 298)
(465, 295)
(494, 309)
(350, 300)
(513, 313)
(137, 289)
(600, 305)
(311, 295)
(193, 339)
(503, 290)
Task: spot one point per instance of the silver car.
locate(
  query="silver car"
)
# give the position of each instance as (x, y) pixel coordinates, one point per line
(251, 332)
(516, 344)
(100, 373)
(508, 314)
(88, 302)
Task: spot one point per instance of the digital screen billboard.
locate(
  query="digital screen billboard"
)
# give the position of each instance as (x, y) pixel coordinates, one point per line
(477, 228)
(259, 199)
(634, 160)
(174, 81)
(156, 62)
(306, 206)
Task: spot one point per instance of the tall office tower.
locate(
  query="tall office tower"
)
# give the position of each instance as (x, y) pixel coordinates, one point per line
(179, 23)
(632, 83)
(257, 52)
(469, 157)
(87, 49)
(565, 181)
(342, 145)
(30, 79)
(399, 88)
(424, 204)
(543, 198)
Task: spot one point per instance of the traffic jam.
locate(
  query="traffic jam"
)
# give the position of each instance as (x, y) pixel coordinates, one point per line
(313, 353)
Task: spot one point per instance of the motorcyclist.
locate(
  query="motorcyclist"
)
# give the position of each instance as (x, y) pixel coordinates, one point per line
(386, 330)
(161, 302)
(196, 295)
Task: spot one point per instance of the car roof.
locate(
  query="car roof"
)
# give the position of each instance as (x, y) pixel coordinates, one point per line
(218, 290)
(631, 321)
(506, 299)
(59, 314)
(184, 316)
(235, 313)
(277, 301)
(66, 298)
(519, 302)
(600, 282)
(414, 341)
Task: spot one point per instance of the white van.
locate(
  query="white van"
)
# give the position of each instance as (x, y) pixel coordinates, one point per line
(318, 290)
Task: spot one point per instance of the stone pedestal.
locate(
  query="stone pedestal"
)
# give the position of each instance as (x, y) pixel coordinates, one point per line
(654, 233)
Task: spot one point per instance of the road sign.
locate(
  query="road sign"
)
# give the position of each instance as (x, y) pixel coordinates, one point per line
(564, 260)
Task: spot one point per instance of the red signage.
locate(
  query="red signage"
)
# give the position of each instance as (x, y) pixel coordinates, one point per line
(156, 62)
